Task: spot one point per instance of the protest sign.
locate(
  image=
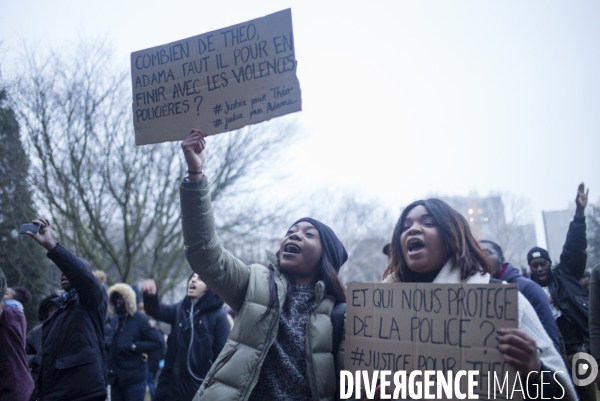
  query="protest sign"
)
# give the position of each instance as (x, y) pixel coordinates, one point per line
(431, 327)
(217, 81)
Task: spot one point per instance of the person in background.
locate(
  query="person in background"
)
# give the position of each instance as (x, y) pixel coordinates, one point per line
(199, 330)
(154, 361)
(504, 271)
(594, 319)
(568, 299)
(16, 383)
(585, 281)
(17, 297)
(101, 276)
(33, 345)
(72, 337)
(433, 243)
(386, 250)
(128, 345)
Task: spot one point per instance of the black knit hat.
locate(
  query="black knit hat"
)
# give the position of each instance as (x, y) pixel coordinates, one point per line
(537, 252)
(330, 243)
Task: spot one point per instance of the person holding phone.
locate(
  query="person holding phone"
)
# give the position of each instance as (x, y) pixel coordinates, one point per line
(73, 336)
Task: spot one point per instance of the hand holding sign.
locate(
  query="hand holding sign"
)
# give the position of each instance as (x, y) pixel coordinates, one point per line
(221, 80)
(519, 350)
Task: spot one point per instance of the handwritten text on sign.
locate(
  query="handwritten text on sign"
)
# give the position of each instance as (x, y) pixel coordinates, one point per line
(218, 81)
(429, 327)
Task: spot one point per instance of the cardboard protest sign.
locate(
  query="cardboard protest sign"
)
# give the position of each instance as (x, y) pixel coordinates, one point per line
(217, 81)
(436, 327)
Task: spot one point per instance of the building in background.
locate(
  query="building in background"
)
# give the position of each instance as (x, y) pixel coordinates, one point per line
(503, 219)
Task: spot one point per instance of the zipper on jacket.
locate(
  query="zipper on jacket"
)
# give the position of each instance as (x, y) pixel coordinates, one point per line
(314, 391)
(263, 355)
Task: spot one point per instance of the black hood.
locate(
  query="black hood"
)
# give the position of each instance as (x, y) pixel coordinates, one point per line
(207, 302)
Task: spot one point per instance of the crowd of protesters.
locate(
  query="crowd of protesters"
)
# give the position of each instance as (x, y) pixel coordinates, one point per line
(287, 342)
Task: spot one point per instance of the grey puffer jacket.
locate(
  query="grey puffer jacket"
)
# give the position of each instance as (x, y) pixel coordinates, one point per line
(236, 371)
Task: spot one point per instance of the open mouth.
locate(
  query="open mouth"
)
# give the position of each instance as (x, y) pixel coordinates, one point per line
(292, 248)
(415, 245)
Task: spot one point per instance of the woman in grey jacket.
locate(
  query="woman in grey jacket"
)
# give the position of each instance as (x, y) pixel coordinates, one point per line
(281, 346)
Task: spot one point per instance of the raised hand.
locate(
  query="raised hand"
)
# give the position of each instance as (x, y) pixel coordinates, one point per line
(149, 287)
(193, 151)
(581, 200)
(44, 236)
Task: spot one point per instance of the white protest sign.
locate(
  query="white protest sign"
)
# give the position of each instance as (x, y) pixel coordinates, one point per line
(432, 327)
(217, 81)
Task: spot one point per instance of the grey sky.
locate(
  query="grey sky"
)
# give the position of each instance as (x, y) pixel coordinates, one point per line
(401, 99)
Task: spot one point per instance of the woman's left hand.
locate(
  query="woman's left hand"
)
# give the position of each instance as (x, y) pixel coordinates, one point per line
(519, 350)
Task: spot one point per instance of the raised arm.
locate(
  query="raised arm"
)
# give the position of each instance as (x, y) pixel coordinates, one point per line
(153, 307)
(574, 256)
(89, 290)
(222, 272)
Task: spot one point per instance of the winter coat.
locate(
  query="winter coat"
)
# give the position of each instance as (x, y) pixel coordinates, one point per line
(33, 347)
(125, 365)
(15, 381)
(236, 371)
(193, 345)
(529, 323)
(537, 298)
(72, 349)
(565, 289)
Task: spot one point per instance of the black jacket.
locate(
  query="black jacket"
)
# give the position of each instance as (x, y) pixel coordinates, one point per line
(72, 337)
(207, 331)
(33, 348)
(537, 298)
(127, 366)
(565, 289)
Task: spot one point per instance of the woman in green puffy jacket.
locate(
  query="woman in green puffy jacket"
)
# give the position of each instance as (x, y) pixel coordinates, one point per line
(281, 346)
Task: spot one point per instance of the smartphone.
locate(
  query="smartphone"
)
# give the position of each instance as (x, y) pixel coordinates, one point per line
(34, 228)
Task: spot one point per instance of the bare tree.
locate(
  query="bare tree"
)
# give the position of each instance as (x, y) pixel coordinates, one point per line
(363, 225)
(116, 204)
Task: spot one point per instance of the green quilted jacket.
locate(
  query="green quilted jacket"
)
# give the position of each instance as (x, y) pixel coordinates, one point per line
(235, 372)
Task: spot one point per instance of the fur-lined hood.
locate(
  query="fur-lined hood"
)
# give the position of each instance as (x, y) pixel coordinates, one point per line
(128, 295)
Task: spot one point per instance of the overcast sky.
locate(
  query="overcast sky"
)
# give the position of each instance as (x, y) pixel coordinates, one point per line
(400, 99)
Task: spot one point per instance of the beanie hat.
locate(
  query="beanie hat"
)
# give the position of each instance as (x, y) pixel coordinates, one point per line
(537, 252)
(331, 244)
